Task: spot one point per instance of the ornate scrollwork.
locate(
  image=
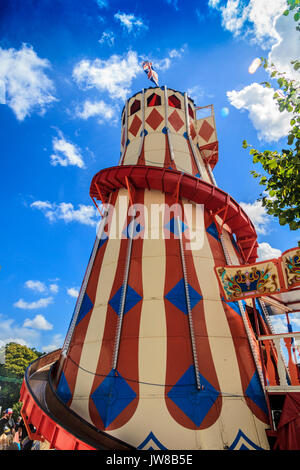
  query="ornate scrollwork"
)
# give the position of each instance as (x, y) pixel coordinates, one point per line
(292, 267)
(257, 280)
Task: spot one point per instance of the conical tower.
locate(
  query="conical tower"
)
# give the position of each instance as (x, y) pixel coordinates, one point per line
(154, 355)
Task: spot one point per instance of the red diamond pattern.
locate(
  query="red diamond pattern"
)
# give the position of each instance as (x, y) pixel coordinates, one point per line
(135, 125)
(206, 131)
(154, 119)
(176, 121)
(192, 131)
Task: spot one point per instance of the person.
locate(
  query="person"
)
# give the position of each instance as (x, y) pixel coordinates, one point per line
(26, 442)
(7, 424)
(17, 426)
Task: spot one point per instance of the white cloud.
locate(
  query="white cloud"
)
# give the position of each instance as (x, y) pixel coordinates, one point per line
(42, 205)
(113, 75)
(165, 63)
(54, 288)
(255, 21)
(196, 93)
(264, 114)
(10, 332)
(66, 153)
(56, 343)
(257, 214)
(37, 286)
(104, 111)
(86, 215)
(263, 23)
(41, 303)
(130, 22)
(266, 251)
(213, 3)
(39, 322)
(295, 321)
(108, 38)
(286, 48)
(24, 84)
(279, 323)
(73, 292)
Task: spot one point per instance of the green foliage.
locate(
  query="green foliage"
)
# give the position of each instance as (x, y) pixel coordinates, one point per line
(17, 359)
(281, 178)
(16, 410)
(293, 6)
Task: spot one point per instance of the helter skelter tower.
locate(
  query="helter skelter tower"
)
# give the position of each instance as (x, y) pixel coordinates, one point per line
(155, 357)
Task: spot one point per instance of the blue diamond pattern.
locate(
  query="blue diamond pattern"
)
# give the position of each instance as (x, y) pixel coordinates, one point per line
(212, 230)
(254, 391)
(193, 402)
(172, 226)
(63, 389)
(178, 298)
(86, 306)
(137, 228)
(112, 396)
(132, 298)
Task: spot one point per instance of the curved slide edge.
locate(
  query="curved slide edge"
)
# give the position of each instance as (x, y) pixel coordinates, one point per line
(53, 420)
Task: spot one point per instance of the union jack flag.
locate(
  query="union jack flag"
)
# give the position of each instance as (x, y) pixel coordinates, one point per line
(150, 72)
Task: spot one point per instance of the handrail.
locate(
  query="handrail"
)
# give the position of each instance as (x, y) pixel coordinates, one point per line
(281, 377)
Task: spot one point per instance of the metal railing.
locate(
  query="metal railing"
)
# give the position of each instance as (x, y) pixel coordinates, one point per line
(281, 361)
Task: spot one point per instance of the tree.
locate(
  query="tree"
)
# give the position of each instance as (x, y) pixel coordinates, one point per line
(281, 180)
(17, 359)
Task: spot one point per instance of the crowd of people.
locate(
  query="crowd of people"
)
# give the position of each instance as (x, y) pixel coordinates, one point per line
(14, 435)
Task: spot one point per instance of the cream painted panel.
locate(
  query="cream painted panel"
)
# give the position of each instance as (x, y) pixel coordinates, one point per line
(210, 288)
(155, 141)
(155, 157)
(132, 152)
(204, 172)
(179, 143)
(247, 423)
(224, 357)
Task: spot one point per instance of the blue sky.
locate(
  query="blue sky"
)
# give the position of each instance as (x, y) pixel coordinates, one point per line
(66, 67)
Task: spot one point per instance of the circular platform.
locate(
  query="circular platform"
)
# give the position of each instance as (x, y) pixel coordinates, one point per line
(216, 201)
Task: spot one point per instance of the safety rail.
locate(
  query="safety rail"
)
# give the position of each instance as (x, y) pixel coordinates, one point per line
(281, 361)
